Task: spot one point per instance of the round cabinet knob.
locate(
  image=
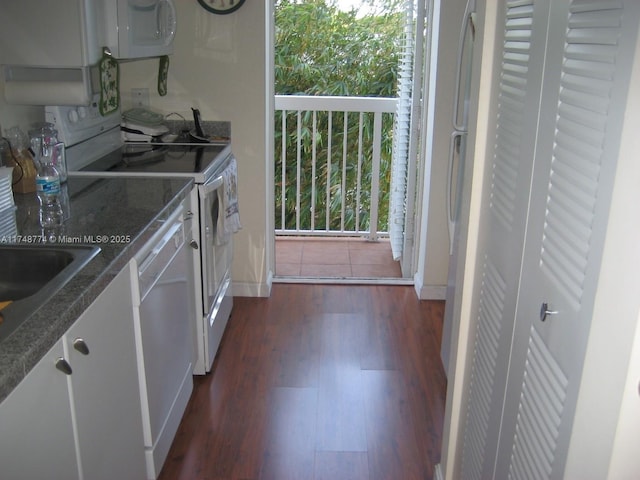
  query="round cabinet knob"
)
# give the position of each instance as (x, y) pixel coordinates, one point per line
(188, 215)
(63, 366)
(73, 116)
(193, 244)
(80, 345)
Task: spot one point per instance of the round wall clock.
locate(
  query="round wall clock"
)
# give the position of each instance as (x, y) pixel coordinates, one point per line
(221, 6)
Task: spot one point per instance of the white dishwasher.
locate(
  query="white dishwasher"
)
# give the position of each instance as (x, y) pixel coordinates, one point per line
(164, 336)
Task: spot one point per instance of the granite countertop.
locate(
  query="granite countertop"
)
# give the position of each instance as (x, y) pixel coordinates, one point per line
(117, 214)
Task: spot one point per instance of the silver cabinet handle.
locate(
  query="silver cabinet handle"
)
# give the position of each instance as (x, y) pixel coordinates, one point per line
(80, 345)
(467, 27)
(544, 311)
(159, 20)
(452, 204)
(193, 244)
(63, 366)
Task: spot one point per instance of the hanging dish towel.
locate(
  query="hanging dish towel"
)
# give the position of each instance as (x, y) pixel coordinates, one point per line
(229, 217)
(163, 72)
(109, 84)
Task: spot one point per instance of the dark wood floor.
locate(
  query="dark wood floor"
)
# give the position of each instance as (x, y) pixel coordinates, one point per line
(319, 382)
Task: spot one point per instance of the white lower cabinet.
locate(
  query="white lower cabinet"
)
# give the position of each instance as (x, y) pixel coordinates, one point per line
(36, 427)
(85, 423)
(104, 386)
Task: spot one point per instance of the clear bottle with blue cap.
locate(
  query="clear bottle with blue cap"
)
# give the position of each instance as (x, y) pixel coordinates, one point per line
(48, 188)
(45, 133)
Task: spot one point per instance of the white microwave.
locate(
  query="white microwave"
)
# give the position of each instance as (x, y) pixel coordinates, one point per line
(139, 28)
(49, 48)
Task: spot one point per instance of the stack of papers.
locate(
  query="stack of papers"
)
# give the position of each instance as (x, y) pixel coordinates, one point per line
(8, 225)
(7, 205)
(6, 194)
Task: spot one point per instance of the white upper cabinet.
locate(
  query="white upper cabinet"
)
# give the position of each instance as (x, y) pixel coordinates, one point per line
(51, 50)
(101, 349)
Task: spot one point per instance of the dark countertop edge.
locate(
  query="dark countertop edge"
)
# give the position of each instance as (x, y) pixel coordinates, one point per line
(17, 362)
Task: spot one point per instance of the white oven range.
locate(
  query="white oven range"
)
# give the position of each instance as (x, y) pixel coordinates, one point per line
(94, 147)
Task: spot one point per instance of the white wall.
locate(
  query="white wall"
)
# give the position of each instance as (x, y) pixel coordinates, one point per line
(219, 67)
(17, 115)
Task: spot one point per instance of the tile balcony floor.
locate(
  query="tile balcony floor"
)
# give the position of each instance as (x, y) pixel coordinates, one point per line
(320, 257)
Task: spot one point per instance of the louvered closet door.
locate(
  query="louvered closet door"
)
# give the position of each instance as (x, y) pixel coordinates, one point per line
(502, 227)
(584, 94)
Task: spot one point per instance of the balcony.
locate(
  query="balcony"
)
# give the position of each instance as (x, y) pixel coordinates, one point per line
(332, 172)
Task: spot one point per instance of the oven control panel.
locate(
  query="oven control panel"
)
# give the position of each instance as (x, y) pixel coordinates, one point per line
(78, 123)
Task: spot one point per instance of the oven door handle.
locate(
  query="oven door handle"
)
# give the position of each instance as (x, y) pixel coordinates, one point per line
(213, 185)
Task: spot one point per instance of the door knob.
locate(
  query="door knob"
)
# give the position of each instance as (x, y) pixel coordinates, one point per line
(80, 345)
(544, 311)
(63, 366)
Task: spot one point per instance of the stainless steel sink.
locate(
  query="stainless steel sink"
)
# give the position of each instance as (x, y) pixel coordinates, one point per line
(31, 275)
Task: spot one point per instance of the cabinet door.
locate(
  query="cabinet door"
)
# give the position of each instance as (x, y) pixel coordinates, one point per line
(105, 386)
(36, 428)
(519, 67)
(591, 46)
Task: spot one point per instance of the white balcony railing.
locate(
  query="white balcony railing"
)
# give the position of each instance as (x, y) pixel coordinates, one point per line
(333, 165)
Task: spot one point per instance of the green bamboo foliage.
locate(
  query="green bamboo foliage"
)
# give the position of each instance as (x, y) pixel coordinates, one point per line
(320, 50)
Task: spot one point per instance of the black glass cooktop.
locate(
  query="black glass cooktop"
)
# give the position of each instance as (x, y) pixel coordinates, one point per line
(159, 159)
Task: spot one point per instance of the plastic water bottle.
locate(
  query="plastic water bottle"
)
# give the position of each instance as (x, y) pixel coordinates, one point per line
(48, 189)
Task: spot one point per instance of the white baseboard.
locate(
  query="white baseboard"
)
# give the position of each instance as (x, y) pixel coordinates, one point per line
(243, 289)
(428, 292)
(432, 292)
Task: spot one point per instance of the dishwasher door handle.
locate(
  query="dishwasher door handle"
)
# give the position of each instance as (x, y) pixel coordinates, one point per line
(158, 248)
